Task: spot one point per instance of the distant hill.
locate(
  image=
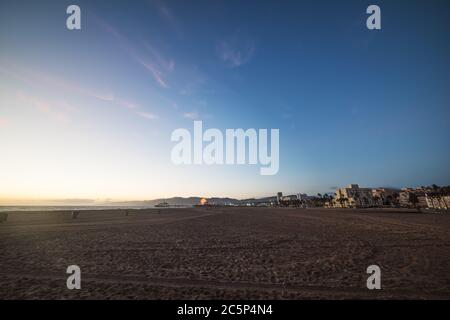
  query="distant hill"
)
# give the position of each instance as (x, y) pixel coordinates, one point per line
(178, 201)
(259, 200)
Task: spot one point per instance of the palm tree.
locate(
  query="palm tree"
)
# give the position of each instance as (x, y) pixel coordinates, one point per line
(342, 201)
(389, 200)
(441, 194)
(445, 191)
(356, 197)
(395, 199)
(376, 199)
(414, 200)
(326, 199)
(438, 194)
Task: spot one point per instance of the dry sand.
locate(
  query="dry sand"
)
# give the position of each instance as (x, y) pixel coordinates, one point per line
(225, 253)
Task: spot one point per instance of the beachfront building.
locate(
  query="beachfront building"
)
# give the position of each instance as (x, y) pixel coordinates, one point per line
(279, 197)
(353, 197)
(289, 198)
(437, 201)
(293, 200)
(385, 196)
(405, 198)
(302, 196)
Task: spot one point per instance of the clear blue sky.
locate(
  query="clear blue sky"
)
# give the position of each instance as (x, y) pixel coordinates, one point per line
(89, 113)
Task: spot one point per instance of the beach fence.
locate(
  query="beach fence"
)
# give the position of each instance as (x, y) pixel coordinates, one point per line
(127, 213)
(3, 217)
(75, 214)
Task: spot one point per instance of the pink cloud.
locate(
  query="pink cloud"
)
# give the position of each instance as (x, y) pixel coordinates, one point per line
(156, 74)
(191, 115)
(54, 109)
(32, 77)
(235, 53)
(137, 57)
(167, 64)
(169, 17)
(3, 122)
(126, 104)
(59, 109)
(147, 115)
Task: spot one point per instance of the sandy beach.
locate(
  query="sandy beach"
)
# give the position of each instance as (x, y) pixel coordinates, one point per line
(225, 253)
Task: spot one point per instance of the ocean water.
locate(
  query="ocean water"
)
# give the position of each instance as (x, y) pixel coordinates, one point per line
(67, 208)
(80, 208)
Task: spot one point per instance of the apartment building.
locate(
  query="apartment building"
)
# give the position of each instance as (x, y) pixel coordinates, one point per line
(353, 197)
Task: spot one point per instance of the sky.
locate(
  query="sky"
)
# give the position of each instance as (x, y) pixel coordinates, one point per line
(88, 114)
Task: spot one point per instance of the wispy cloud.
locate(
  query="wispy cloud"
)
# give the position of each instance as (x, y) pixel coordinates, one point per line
(168, 16)
(126, 104)
(51, 81)
(191, 115)
(194, 81)
(136, 109)
(235, 53)
(148, 115)
(133, 52)
(104, 96)
(57, 110)
(3, 122)
(167, 64)
(157, 75)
